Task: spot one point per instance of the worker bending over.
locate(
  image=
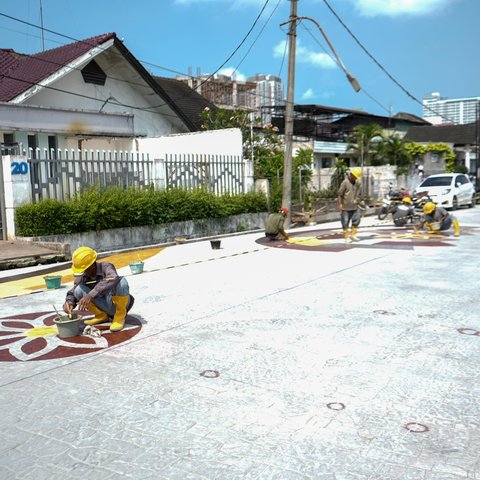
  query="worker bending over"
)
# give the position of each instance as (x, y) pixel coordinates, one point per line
(275, 225)
(98, 288)
(436, 219)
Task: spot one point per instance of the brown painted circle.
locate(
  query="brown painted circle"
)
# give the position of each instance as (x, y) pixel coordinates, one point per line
(16, 328)
(415, 427)
(210, 373)
(468, 331)
(383, 236)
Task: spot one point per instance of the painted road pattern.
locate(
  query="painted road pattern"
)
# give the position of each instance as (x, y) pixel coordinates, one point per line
(308, 359)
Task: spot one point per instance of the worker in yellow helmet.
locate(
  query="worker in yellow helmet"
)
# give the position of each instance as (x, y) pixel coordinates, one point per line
(348, 204)
(437, 219)
(98, 288)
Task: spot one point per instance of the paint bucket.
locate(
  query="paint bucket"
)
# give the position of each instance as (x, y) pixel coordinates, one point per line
(53, 281)
(68, 326)
(136, 267)
(215, 244)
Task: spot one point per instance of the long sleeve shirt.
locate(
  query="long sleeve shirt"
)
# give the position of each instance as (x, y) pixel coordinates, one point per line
(104, 281)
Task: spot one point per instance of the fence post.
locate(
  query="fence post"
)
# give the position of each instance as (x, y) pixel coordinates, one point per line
(3, 217)
(160, 173)
(248, 182)
(17, 190)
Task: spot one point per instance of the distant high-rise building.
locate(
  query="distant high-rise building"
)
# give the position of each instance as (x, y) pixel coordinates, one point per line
(269, 93)
(438, 110)
(269, 90)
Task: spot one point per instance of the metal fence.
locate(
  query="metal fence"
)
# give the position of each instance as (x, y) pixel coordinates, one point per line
(217, 173)
(59, 174)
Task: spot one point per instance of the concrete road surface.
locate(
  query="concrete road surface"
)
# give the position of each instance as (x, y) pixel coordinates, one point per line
(302, 360)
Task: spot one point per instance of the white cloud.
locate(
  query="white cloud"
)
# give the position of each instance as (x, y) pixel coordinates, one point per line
(231, 72)
(305, 55)
(398, 7)
(308, 94)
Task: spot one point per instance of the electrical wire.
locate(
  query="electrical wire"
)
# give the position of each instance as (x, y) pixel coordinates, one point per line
(104, 101)
(384, 70)
(257, 37)
(143, 62)
(239, 46)
(336, 61)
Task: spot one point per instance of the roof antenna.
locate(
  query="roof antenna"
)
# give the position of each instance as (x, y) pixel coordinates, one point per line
(41, 22)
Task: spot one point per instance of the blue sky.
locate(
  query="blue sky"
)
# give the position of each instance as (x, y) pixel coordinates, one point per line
(425, 45)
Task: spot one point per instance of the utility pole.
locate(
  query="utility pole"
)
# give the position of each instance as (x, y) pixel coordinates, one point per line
(41, 22)
(287, 163)
(289, 107)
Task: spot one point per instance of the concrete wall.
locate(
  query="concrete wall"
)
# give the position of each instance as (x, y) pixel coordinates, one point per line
(125, 238)
(211, 142)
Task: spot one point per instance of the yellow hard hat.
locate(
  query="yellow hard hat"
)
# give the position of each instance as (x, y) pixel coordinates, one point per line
(356, 172)
(429, 207)
(82, 258)
(407, 200)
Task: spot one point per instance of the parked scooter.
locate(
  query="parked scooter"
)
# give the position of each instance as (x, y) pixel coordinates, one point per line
(405, 213)
(391, 201)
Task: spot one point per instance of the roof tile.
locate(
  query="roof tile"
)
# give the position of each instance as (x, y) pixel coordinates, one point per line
(18, 72)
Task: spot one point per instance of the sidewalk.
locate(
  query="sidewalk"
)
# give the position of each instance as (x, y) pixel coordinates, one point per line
(18, 254)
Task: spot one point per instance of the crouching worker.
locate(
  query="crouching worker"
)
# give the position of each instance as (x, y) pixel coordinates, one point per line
(98, 288)
(274, 227)
(436, 219)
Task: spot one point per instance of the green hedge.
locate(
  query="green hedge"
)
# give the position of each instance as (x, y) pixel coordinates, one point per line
(101, 209)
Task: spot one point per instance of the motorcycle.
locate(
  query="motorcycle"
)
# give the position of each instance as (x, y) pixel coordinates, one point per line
(390, 203)
(406, 213)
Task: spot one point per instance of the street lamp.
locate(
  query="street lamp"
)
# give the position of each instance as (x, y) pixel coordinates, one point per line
(289, 107)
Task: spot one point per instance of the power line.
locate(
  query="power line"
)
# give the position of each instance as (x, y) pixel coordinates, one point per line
(239, 46)
(143, 62)
(394, 80)
(336, 61)
(114, 102)
(258, 36)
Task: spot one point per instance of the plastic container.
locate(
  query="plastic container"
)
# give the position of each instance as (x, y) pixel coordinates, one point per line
(68, 326)
(215, 244)
(136, 267)
(53, 281)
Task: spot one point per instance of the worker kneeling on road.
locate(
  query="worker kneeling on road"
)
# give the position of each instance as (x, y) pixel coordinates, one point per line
(98, 288)
(274, 227)
(437, 219)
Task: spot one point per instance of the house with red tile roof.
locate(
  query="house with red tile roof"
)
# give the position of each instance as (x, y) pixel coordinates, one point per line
(91, 93)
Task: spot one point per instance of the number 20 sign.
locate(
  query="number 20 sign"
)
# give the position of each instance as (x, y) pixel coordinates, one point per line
(19, 168)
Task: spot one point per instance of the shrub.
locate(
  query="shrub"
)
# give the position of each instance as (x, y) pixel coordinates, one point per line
(114, 207)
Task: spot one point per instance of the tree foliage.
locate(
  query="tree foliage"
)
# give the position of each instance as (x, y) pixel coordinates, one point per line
(359, 142)
(261, 143)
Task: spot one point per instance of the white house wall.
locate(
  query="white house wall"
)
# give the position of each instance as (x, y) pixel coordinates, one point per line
(210, 142)
(130, 90)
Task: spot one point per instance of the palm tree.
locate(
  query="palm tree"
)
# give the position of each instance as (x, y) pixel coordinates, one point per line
(393, 150)
(360, 141)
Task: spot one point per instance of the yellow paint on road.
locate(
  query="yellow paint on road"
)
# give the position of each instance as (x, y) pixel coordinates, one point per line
(308, 241)
(36, 282)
